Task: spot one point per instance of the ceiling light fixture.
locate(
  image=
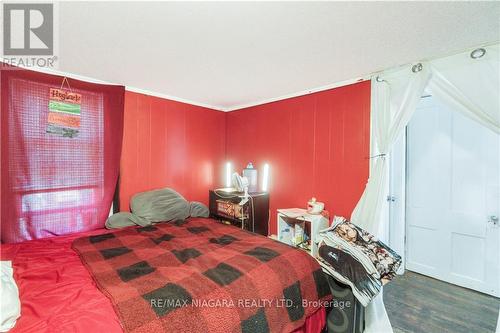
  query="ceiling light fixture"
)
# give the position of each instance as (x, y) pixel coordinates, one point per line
(417, 68)
(477, 53)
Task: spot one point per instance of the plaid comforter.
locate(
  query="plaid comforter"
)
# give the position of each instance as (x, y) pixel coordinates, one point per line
(199, 275)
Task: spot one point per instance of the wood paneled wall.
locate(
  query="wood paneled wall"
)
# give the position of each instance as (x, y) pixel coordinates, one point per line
(170, 144)
(316, 145)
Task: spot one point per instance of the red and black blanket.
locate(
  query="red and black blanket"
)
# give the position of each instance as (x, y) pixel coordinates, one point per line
(199, 275)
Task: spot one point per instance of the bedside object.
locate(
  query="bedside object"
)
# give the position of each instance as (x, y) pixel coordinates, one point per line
(345, 313)
(252, 216)
(315, 207)
(297, 227)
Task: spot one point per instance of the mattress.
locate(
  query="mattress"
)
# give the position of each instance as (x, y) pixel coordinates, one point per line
(59, 295)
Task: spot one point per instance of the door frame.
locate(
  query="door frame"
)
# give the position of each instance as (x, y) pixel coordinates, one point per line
(396, 197)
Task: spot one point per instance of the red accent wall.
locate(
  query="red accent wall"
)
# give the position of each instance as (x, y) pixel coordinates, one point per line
(316, 145)
(170, 144)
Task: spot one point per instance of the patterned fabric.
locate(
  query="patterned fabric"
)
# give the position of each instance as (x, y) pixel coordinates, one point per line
(384, 259)
(347, 270)
(357, 258)
(198, 275)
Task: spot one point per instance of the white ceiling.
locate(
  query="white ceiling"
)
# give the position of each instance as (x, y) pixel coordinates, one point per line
(229, 54)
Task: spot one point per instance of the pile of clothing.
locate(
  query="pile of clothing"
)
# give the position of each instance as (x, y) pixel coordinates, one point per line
(357, 258)
(156, 206)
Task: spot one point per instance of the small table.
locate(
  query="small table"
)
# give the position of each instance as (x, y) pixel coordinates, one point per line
(293, 220)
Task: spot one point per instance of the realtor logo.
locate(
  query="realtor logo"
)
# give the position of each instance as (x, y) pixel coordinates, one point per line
(28, 29)
(29, 35)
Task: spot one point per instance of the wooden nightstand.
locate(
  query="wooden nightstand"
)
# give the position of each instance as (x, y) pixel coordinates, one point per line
(252, 216)
(292, 220)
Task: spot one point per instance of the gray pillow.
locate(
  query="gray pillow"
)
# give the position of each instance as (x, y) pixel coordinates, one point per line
(160, 205)
(197, 209)
(125, 219)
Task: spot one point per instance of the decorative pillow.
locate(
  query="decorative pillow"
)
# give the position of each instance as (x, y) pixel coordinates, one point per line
(160, 205)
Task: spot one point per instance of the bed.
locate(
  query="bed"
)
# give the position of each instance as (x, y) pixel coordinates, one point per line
(59, 294)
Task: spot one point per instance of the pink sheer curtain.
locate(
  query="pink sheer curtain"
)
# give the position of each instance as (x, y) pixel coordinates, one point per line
(54, 184)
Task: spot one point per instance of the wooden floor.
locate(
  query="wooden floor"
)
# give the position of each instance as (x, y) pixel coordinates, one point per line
(417, 303)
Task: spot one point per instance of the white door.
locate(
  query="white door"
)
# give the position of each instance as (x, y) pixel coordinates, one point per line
(453, 197)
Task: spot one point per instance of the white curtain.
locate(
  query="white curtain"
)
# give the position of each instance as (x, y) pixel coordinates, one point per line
(467, 85)
(498, 322)
(393, 102)
(470, 86)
